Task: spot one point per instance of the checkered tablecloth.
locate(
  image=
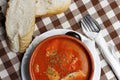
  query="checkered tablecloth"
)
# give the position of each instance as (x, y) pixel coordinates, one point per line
(106, 13)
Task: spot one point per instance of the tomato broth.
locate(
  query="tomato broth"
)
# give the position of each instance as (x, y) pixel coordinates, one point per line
(61, 58)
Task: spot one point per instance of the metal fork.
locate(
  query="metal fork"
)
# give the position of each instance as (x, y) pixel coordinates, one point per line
(90, 24)
(92, 30)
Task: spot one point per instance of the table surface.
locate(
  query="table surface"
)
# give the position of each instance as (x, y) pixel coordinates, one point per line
(106, 13)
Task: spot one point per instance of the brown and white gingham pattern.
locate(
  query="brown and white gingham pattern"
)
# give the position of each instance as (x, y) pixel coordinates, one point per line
(107, 14)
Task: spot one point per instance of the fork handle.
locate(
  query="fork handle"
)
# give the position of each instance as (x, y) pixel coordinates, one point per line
(100, 41)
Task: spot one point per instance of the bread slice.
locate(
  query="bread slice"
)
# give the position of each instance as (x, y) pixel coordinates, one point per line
(20, 22)
(50, 7)
(79, 75)
(20, 19)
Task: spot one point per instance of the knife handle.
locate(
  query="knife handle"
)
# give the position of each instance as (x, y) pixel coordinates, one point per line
(100, 41)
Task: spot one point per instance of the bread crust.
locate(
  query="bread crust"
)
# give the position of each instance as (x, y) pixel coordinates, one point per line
(25, 40)
(56, 11)
(9, 41)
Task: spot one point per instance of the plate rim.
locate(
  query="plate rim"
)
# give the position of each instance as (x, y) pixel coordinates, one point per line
(32, 46)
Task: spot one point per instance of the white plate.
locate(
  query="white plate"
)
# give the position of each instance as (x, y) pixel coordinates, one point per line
(38, 39)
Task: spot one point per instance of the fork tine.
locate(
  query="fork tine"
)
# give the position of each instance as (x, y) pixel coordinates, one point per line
(83, 24)
(86, 24)
(90, 24)
(94, 23)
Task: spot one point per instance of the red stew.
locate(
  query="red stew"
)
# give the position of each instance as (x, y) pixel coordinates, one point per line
(59, 57)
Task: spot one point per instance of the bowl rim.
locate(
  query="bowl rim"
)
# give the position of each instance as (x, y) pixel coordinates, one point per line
(62, 36)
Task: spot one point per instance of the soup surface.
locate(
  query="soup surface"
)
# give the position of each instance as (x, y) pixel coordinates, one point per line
(60, 58)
